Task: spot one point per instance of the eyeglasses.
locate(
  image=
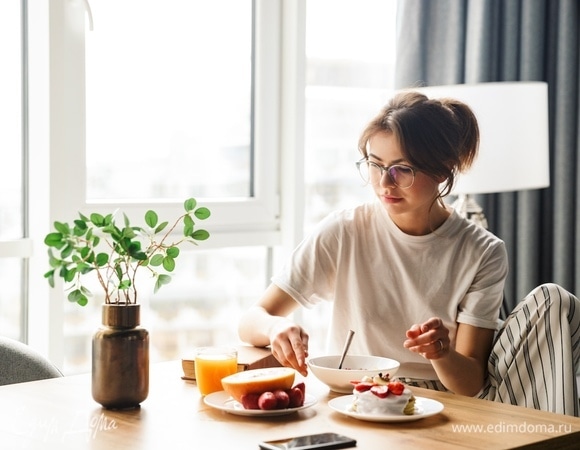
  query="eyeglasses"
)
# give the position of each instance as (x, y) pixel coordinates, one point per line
(401, 175)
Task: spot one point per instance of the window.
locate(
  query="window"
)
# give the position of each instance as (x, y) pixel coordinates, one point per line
(159, 103)
(221, 133)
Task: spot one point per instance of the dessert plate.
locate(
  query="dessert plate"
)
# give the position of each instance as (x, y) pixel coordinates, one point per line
(424, 407)
(223, 401)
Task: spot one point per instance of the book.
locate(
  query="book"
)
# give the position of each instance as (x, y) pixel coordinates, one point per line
(248, 358)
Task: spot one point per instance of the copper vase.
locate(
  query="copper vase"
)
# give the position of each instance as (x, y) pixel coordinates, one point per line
(120, 358)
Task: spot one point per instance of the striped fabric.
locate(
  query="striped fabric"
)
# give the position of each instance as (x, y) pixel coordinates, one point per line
(536, 352)
(435, 385)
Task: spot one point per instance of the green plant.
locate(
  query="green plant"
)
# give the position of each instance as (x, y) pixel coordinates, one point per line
(97, 244)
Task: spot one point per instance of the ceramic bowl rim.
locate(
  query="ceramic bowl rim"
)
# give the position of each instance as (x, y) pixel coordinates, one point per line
(390, 363)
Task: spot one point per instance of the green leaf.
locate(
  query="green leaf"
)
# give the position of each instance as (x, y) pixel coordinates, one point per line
(50, 277)
(161, 227)
(161, 280)
(202, 213)
(133, 246)
(97, 219)
(62, 228)
(126, 220)
(200, 235)
(139, 256)
(66, 251)
(109, 219)
(168, 263)
(84, 252)
(77, 296)
(156, 260)
(53, 240)
(122, 246)
(84, 268)
(90, 259)
(128, 232)
(80, 224)
(124, 285)
(188, 226)
(189, 204)
(113, 231)
(52, 261)
(173, 252)
(69, 275)
(151, 219)
(102, 259)
(85, 291)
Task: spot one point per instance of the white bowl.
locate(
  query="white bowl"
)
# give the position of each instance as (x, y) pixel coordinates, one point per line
(354, 367)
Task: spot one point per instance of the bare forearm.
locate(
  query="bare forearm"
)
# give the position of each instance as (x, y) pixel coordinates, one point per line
(256, 325)
(459, 373)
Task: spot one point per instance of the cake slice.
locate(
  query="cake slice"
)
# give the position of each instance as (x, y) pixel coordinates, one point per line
(380, 395)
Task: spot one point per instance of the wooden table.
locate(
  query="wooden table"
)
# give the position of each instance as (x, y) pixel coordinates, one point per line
(60, 413)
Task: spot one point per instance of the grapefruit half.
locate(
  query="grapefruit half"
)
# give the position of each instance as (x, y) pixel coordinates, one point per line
(258, 381)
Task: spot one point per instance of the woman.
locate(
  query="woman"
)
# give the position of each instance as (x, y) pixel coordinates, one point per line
(417, 282)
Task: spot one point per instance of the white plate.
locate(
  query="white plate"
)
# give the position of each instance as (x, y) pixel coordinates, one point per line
(222, 400)
(424, 407)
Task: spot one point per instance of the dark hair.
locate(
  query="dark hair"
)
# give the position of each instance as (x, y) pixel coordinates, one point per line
(439, 137)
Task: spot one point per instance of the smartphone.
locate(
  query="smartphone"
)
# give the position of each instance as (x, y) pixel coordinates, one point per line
(322, 440)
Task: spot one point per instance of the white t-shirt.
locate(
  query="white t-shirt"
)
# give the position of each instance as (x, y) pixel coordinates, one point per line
(382, 280)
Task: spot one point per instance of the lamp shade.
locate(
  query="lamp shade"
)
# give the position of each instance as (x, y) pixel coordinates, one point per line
(513, 125)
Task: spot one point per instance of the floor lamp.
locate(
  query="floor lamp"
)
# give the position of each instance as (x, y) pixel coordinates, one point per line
(514, 146)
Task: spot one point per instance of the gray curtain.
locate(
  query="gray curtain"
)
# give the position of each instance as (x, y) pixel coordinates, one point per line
(470, 41)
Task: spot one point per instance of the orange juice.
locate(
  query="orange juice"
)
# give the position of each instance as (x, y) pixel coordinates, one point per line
(211, 365)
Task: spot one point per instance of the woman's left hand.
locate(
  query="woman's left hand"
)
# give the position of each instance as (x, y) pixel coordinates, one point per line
(430, 339)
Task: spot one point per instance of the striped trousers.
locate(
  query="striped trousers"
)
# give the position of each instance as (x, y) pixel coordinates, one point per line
(536, 352)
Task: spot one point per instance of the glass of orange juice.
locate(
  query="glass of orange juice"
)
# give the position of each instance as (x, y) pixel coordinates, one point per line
(211, 365)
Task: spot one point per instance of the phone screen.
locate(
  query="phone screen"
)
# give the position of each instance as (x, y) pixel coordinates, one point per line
(314, 441)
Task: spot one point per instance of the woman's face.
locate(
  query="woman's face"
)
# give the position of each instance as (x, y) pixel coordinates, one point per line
(410, 208)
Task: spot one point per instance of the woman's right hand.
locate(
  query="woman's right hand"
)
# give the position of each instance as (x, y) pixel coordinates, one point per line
(267, 323)
(289, 344)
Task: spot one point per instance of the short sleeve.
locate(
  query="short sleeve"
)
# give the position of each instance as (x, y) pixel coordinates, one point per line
(310, 273)
(481, 305)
